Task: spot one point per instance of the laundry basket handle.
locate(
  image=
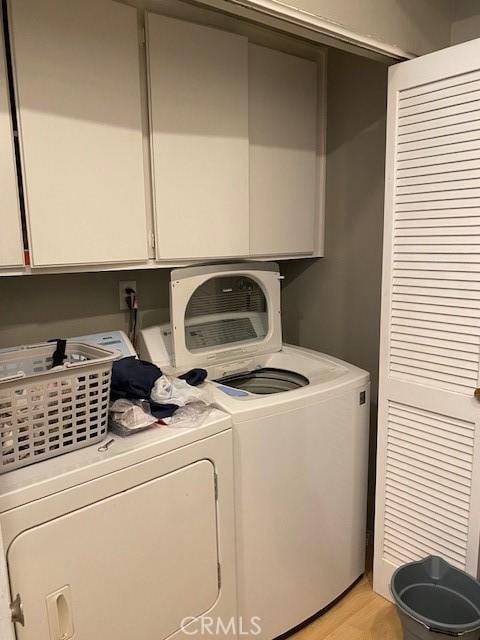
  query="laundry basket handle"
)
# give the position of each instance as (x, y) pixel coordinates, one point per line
(83, 363)
(15, 376)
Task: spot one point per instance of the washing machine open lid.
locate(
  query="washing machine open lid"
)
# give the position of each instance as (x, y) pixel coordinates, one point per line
(223, 313)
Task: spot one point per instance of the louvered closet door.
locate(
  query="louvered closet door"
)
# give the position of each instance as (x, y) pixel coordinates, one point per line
(428, 498)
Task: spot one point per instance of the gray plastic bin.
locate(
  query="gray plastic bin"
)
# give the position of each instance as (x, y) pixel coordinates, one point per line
(435, 600)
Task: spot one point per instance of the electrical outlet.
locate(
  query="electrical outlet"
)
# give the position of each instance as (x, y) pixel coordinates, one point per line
(123, 285)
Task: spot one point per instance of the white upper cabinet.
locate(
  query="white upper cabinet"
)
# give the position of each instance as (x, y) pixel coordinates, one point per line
(198, 78)
(235, 140)
(283, 152)
(11, 247)
(80, 118)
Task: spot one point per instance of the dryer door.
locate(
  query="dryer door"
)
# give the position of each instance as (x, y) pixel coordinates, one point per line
(223, 313)
(132, 566)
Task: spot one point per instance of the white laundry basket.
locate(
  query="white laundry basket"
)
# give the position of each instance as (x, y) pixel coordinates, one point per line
(45, 412)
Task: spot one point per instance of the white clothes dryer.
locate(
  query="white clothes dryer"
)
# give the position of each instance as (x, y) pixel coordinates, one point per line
(135, 541)
(300, 433)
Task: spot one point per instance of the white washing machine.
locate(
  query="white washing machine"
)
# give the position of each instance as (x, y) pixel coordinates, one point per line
(301, 422)
(132, 542)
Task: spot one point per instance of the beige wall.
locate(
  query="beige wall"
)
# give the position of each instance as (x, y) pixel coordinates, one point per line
(333, 304)
(466, 21)
(416, 26)
(35, 308)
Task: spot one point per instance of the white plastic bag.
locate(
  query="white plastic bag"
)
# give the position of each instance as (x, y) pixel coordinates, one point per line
(177, 391)
(127, 417)
(190, 416)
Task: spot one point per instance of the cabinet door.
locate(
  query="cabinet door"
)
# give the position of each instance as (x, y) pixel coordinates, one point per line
(283, 147)
(199, 120)
(428, 481)
(78, 93)
(132, 566)
(11, 246)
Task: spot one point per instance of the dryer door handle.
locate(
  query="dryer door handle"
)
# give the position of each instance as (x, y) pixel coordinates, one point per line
(60, 620)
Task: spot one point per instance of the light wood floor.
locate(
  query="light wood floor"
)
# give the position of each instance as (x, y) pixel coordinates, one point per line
(360, 615)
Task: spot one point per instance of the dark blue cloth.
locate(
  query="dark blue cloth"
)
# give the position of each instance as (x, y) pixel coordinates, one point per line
(194, 376)
(162, 410)
(134, 379)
